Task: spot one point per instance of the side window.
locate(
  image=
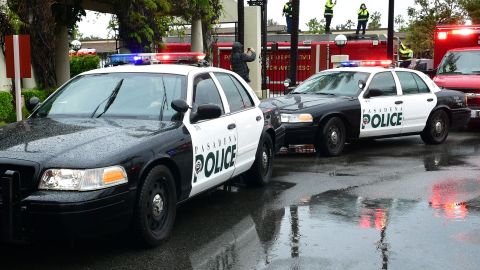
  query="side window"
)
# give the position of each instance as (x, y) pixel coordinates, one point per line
(234, 98)
(409, 86)
(247, 99)
(205, 92)
(422, 86)
(384, 82)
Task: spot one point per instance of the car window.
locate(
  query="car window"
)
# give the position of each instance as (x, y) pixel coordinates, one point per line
(409, 86)
(384, 82)
(422, 86)
(205, 92)
(117, 95)
(336, 83)
(247, 99)
(235, 99)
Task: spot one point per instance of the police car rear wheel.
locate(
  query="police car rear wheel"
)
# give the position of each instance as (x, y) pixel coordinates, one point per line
(156, 207)
(437, 127)
(332, 137)
(261, 171)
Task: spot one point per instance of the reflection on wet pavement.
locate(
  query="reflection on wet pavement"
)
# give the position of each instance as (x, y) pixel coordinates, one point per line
(398, 205)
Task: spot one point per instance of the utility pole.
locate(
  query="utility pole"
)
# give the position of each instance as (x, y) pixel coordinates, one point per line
(241, 21)
(391, 15)
(264, 44)
(294, 42)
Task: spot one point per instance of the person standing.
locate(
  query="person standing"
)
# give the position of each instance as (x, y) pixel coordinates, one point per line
(239, 60)
(363, 16)
(329, 15)
(406, 55)
(288, 14)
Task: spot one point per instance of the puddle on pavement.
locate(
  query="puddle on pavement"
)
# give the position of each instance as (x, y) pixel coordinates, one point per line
(340, 230)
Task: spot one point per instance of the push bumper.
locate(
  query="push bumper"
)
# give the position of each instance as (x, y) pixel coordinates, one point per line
(301, 133)
(61, 215)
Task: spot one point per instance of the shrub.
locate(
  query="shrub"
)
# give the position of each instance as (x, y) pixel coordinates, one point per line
(79, 64)
(6, 105)
(40, 94)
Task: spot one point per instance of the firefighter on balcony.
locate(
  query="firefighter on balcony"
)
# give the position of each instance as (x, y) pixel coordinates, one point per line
(329, 14)
(363, 16)
(288, 13)
(406, 55)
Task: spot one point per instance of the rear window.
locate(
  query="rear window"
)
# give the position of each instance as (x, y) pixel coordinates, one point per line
(463, 63)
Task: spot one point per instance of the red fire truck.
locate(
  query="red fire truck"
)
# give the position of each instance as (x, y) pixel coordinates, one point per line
(457, 62)
(312, 57)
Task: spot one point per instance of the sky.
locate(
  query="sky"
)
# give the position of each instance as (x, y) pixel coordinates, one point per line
(95, 24)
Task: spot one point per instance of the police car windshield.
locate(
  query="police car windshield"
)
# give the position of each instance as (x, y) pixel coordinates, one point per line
(338, 83)
(117, 95)
(464, 63)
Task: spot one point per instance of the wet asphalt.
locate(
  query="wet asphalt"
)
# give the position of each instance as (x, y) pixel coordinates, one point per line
(384, 204)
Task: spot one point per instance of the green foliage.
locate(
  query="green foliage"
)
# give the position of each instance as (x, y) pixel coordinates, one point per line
(472, 7)
(79, 64)
(6, 105)
(375, 19)
(425, 16)
(315, 26)
(349, 25)
(40, 94)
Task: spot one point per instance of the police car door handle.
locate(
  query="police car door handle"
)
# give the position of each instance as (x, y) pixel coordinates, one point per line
(398, 102)
(430, 99)
(231, 126)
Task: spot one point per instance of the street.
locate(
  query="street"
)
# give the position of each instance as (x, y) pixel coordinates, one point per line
(383, 204)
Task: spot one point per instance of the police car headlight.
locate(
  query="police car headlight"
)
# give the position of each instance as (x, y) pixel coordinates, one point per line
(297, 118)
(83, 180)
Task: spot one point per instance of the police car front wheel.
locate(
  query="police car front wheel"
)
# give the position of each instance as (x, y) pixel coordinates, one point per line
(156, 207)
(332, 137)
(261, 170)
(436, 130)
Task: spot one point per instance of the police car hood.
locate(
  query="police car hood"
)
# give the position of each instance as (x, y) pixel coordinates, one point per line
(294, 102)
(77, 143)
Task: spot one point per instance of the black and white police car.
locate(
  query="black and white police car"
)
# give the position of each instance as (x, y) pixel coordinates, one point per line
(344, 104)
(120, 147)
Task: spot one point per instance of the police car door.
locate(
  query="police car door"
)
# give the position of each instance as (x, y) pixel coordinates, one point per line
(248, 117)
(382, 107)
(214, 140)
(418, 100)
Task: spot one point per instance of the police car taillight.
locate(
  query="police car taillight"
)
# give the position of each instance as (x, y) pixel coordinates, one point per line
(156, 58)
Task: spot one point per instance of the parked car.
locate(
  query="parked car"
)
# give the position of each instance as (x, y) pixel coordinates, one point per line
(123, 146)
(345, 104)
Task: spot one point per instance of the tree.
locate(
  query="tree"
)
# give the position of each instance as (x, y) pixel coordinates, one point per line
(272, 22)
(424, 16)
(400, 23)
(350, 25)
(315, 26)
(472, 7)
(375, 19)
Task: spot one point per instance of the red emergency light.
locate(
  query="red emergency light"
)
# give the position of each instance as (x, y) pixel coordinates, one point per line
(376, 63)
(442, 35)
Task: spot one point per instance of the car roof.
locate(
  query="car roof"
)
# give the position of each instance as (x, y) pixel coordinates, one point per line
(465, 49)
(164, 68)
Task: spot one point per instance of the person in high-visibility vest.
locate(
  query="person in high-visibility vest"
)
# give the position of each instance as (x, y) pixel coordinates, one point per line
(406, 55)
(363, 16)
(329, 14)
(288, 14)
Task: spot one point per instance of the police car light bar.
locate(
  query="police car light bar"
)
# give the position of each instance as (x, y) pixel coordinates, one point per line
(156, 58)
(367, 63)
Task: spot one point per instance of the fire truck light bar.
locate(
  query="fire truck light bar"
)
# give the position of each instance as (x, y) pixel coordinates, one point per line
(156, 58)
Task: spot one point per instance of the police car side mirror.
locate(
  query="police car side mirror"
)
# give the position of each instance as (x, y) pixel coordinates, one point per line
(180, 105)
(32, 103)
(373, 93)
(208, 111)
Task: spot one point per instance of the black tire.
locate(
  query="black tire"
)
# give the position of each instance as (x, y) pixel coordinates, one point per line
(331, 138)
(156, 207)
(436, 130)
(261, 171)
